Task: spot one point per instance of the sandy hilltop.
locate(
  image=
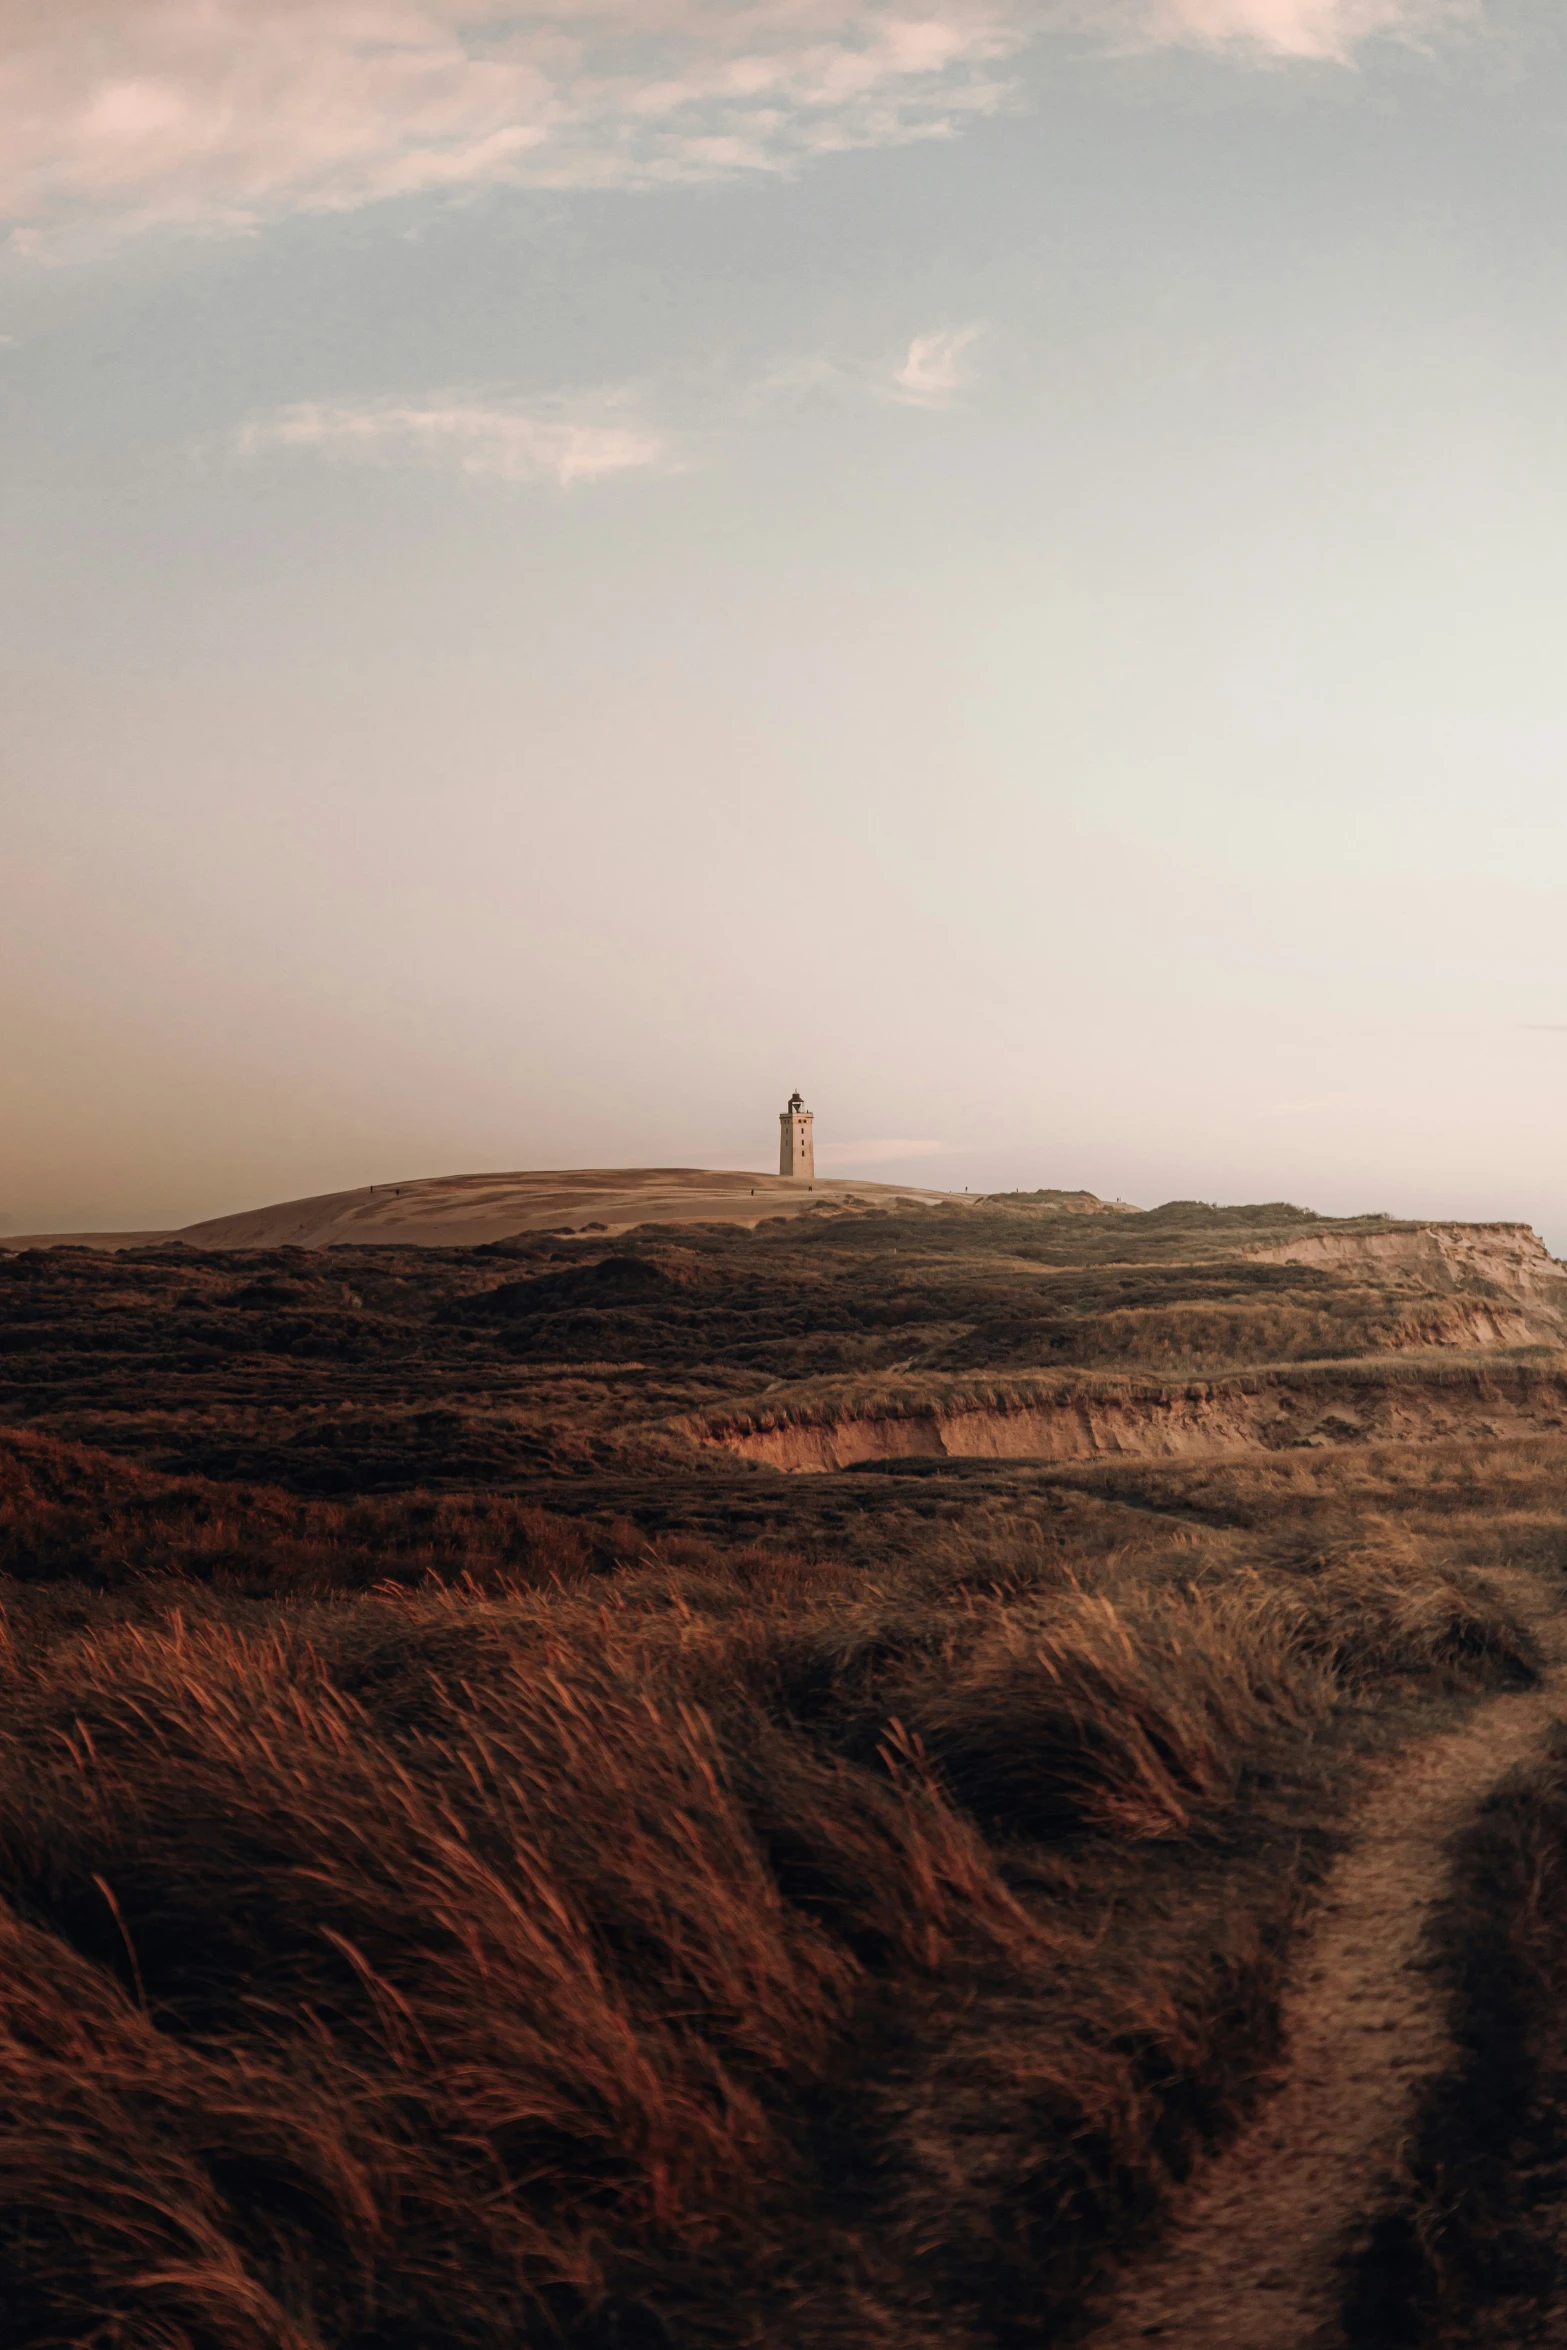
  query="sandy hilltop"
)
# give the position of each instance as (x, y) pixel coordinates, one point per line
(463, 1211)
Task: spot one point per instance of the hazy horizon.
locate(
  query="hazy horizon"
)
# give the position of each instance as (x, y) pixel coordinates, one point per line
(568, 570)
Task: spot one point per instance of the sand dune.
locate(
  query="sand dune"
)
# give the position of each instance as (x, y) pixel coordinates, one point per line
(461, 1211)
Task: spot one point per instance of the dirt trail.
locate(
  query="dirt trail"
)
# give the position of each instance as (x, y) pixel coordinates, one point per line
(1253, 2261)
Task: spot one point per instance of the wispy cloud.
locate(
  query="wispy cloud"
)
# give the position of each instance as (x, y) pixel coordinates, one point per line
(214, 114)
(1325, 29)
(497, 443)
(928, 374)
(230, 113)
(586, 436)
(933, 369)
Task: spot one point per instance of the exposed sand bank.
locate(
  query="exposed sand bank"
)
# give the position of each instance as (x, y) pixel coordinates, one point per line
(1440, 1257)
(1406, 1402)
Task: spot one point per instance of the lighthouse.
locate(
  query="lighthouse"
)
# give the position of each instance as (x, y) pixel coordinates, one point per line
(796, 1150)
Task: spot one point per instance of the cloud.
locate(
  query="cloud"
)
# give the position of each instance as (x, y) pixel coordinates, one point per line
(465, 436)
(933, 370)
(1331, 29)
(231, 113)
(929, 375)
(880, 1153)
(118, 115)
(584, 436)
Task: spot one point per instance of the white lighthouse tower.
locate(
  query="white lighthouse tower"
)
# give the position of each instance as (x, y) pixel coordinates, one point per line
(796, 1150)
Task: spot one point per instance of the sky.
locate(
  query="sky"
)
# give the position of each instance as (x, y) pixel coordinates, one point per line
(566, 571)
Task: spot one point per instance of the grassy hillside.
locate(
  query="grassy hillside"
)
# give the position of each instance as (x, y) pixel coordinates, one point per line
(480, 1868)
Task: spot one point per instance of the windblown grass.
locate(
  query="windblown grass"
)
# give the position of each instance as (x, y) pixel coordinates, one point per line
(717, 1952)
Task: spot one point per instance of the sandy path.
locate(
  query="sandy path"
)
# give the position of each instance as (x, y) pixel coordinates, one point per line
(1252, 2262)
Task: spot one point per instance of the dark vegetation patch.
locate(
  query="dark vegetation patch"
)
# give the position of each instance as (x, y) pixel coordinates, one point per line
(663, 1278)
